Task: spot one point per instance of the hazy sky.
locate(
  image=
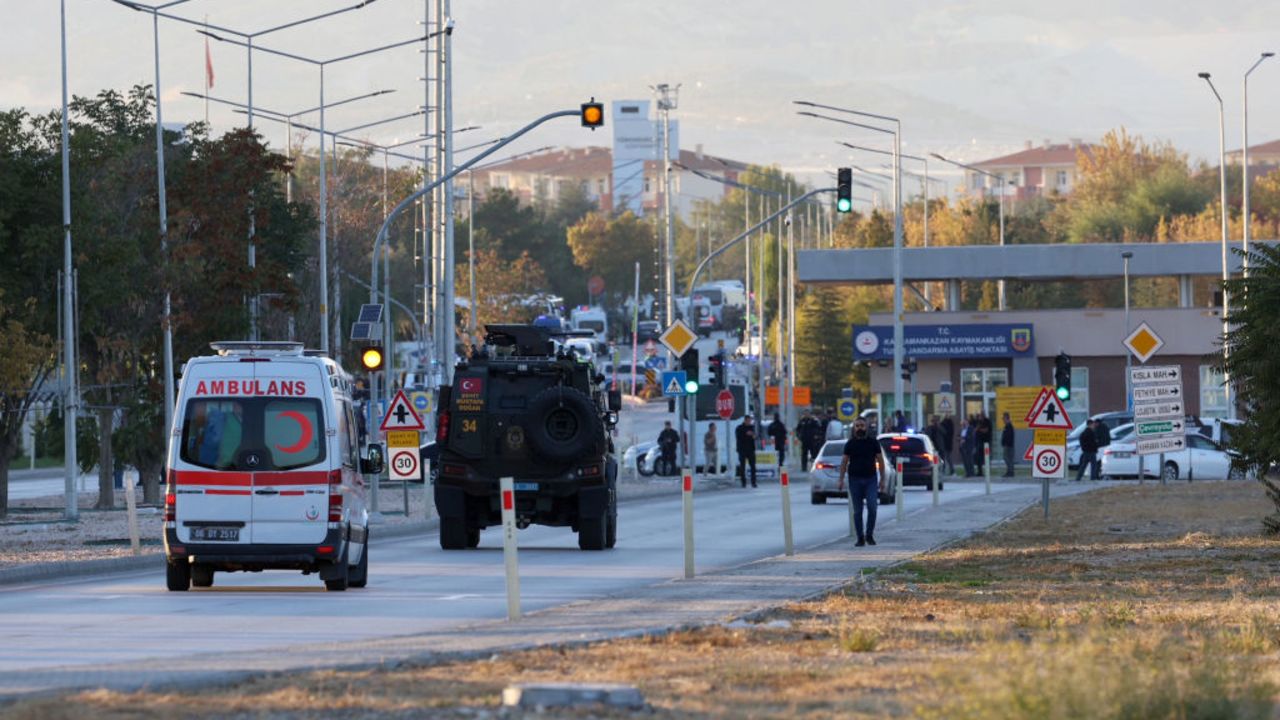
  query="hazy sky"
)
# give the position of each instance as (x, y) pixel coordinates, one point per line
(968, 79)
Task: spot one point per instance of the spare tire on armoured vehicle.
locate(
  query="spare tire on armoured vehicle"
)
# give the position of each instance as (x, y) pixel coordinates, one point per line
(564, 425)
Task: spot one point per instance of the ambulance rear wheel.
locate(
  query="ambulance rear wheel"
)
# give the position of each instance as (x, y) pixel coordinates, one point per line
(177, 576)
(339, 576)
(359, 576)
(201, 576)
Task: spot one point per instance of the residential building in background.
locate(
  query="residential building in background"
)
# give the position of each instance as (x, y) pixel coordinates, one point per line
(1033, 171)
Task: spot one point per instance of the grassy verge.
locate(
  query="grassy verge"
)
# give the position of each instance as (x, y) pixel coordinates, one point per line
(1131, 603)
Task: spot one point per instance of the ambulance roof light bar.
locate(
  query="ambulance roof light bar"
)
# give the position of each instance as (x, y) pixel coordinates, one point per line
(247, 347)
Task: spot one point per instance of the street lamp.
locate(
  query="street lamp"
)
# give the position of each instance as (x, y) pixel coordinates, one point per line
(1128, 386)
(70, 393)
(324, 206)
(166, 320)
(1000, 184)
(897, 224)
(1244, 150)
(1226, 273)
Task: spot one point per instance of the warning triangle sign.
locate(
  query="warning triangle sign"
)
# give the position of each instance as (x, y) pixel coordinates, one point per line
(1027, 455)
(1040, 400)
(1051, 415)
(673, 387)
(401, 415)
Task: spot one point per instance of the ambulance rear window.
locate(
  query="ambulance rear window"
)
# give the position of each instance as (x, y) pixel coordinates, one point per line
(251, 434)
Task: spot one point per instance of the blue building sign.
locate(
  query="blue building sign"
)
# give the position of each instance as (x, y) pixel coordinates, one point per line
(875, 342)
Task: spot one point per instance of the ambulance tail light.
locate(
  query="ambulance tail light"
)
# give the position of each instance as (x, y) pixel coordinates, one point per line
(442, 428)
(170, 507)
(335, 496)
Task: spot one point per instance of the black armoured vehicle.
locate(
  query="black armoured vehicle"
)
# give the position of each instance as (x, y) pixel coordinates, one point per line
(523, 407)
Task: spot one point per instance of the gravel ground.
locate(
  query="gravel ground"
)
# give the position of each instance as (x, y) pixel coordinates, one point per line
(34, 531)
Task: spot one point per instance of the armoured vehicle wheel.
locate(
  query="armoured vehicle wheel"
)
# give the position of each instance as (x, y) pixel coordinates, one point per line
(453, 533)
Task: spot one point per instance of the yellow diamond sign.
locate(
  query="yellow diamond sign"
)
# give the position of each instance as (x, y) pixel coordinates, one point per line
(678, 338)
(1143, 342)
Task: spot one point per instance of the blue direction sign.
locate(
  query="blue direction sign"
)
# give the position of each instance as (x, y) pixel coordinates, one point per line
(421, 401)
(847, 409)
(673, 383)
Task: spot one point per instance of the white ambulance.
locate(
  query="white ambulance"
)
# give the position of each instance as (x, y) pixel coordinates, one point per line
(265, 469)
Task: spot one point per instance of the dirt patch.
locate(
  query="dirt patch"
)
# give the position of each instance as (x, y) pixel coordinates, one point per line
(1132, 602)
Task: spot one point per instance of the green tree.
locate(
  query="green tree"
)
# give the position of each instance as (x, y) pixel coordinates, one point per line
(24, 364)
(610, 248)
(1254, 369)
(824, 344)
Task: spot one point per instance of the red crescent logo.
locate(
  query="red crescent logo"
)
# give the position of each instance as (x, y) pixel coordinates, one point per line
(304, 424)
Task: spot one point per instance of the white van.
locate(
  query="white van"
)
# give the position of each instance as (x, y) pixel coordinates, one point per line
(264, 469)
(593, 319)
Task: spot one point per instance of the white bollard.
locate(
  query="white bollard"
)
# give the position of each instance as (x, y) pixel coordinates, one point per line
(897, 492)
(687, 496)
(506, 487)
(986, 466)
(131, 508)
(785, 485)
(935, 484)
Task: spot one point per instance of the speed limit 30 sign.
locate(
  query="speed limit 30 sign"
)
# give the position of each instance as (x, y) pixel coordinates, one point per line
(404, 464)
(1049, 461)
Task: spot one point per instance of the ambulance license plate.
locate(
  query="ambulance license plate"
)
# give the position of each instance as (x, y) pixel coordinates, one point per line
(522, 486)
(220, 534)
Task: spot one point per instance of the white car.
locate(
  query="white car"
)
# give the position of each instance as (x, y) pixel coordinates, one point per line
(824, 474)
(636, 457)
(1200, 458)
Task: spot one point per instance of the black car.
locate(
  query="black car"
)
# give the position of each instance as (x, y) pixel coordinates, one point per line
(917, 456)
(647, 330)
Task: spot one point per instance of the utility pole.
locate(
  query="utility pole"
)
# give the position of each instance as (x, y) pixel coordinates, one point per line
(668, 100)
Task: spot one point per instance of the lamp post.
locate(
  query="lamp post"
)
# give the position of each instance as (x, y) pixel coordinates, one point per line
(1226, 272)
(166, 320)
(1244, 159)
(1000, 183)
(1128, 357)
(288, 119)
(70, 393)
(324, 206)
(897, 226)
(249, 38)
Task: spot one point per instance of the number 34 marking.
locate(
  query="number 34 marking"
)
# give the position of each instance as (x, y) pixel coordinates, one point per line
(469, 425)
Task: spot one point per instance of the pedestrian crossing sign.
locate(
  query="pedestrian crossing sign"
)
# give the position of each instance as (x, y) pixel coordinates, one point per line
(673, 383)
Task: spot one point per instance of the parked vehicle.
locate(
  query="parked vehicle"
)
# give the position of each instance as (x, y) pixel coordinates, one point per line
(824, 474)
(647, 330)
(1200, 458)
(635, 458)
(1120, 433)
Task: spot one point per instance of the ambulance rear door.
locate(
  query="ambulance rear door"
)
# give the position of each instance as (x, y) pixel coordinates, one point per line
(291, 487)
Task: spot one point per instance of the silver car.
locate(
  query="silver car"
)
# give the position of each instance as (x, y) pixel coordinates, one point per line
(636, 458)
(824, 474)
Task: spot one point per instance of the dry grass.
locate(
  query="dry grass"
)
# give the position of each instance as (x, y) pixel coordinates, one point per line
(1130, 603)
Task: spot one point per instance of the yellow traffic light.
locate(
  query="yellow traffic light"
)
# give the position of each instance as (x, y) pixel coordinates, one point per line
(592, 114)
(371, 358)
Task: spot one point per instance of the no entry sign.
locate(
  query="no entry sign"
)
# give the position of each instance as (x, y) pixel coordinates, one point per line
(724, 404)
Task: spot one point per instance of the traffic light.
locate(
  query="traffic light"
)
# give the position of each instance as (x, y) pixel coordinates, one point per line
(908, 369)
(844, 190)
(592, 114)
(1062, 376)
(371, 358)
(689, 364)
(715, 364)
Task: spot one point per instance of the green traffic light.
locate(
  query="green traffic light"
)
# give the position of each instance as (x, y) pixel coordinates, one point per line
(691, 387)
(844, 205)
(1063, 393)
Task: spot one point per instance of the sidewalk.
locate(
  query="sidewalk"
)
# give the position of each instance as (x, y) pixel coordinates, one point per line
(708, 599)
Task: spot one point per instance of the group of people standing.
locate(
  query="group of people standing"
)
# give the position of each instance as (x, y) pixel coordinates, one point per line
(975, 440)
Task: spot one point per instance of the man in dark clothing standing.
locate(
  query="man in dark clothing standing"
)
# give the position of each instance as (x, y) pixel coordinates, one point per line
(1102, 432)
(948, 437)
(806, 431)
(981, 442)
(934, 431)
(967, 430)
(745, 441)
(1088, 451)
(861, 453)
(668, 441)
(1006, 444)
(778, 431)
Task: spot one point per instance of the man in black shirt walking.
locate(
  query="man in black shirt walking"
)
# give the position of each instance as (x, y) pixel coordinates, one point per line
(859, 463)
